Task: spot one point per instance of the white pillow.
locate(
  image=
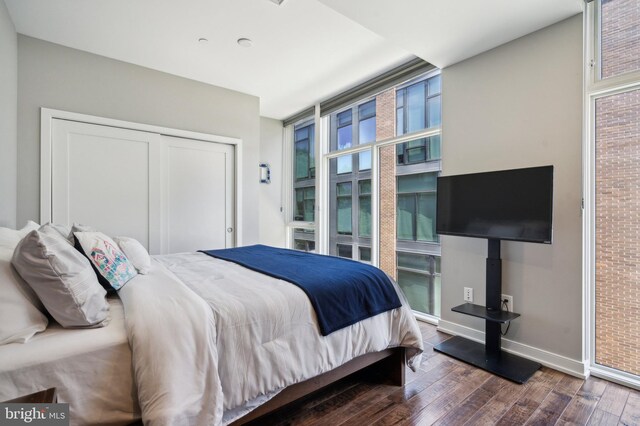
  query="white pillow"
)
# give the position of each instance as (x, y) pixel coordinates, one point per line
(53, 230)
(63, 280)
(9, 238)
(78, 227)
(109, 261)
(136, 253)
(20, 319)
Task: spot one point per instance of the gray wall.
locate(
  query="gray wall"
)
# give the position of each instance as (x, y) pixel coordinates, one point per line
(520, 105)
(58, 77)
(8, 117)
(272, 221)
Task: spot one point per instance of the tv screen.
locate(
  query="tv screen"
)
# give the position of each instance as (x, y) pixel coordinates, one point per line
(506, 205)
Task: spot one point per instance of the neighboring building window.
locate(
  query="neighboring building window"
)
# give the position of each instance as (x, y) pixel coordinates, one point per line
(419, 151)
(365, 254)
(416, 208)
(304, 189)
(619, 37)
(305, 204)
(418, 106)
(305, 165)
(350, 181)
(364, 208)
(345, 202)
(419, 278)
(344, 250)
(344, 140)
(304, 239)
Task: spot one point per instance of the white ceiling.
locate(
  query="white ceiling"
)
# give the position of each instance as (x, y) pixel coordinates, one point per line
(444, 32)
(304, 51)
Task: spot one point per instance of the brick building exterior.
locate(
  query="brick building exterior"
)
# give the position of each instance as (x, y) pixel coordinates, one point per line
(385, 128)
(620, 40)
(618, 231)
(618, 194)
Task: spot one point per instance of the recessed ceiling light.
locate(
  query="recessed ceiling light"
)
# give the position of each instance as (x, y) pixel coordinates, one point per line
(202, 40)
(245, 42)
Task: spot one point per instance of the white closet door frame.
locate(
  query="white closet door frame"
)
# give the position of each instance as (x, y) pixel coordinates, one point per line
(47, 115)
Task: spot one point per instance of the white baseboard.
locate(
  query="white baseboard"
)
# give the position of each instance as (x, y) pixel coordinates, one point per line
(549, 359)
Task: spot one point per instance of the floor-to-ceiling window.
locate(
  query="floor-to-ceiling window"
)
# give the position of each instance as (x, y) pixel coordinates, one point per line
(370, 195)
(350, 181)
(302, 227)
(613, 188)
(407, 174)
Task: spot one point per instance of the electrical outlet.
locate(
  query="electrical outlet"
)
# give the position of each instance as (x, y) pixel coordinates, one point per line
(509, 303)
(468, 294)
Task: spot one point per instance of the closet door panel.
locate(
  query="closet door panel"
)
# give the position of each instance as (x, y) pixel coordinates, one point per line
(199, 195)
(107, 178)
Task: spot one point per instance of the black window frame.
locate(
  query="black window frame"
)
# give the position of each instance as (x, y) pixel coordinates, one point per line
(416, 195)
(402, 92)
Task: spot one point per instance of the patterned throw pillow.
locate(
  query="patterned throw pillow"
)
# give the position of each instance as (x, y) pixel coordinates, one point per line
(111, 264)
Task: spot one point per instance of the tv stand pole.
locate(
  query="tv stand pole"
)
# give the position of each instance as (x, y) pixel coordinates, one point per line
(490, 356)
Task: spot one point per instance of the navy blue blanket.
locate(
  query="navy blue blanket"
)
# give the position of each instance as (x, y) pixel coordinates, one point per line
(342, 291)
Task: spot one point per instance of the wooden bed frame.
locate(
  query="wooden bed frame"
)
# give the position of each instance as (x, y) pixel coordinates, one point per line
(391, 362)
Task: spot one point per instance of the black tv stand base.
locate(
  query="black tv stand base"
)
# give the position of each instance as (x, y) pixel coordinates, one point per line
(502, 363)
(489, 356)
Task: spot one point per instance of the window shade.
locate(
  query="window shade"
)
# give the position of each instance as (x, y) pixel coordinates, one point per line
(393, 77)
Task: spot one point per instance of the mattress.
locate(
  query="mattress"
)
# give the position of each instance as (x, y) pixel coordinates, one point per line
(91, 367)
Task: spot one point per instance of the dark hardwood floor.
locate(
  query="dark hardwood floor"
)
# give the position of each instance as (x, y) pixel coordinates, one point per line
(445, 391)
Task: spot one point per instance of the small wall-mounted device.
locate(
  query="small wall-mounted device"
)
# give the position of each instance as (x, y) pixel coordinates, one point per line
(265, 173)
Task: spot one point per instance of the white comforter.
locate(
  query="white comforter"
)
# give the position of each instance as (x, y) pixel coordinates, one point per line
(210, 337)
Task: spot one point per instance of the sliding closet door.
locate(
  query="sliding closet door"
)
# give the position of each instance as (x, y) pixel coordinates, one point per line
(108, 178)
(199, 195)
(172, 194)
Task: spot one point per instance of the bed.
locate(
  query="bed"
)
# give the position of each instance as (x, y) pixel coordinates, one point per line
(200, 340)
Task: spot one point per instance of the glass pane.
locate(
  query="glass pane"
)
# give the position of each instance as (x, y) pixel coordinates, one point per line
(416, 155)
(426, 220)
(304, 240)
(620, 37)
(433, 85)
(345, 164)
(344, 137)
(364, 216)
(617, 231)
(312, 153)
(420, 182)
(367, 130)
(416, 107)
(364, 187)
(344, 118)
(365, 254)
(419, 291)
(305, 204)
(364, 160)
(343, 189)
(413, 261)
(345, 202)
(302, 160)
(344, 216)
(434, 111)
(405, 216)
(299, 208)
(302, 133)
(367, 110)
(345, 251)
(434, 147)
(400, 122)
(418, 143)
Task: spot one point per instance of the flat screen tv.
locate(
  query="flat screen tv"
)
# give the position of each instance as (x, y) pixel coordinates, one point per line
(512, 205)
